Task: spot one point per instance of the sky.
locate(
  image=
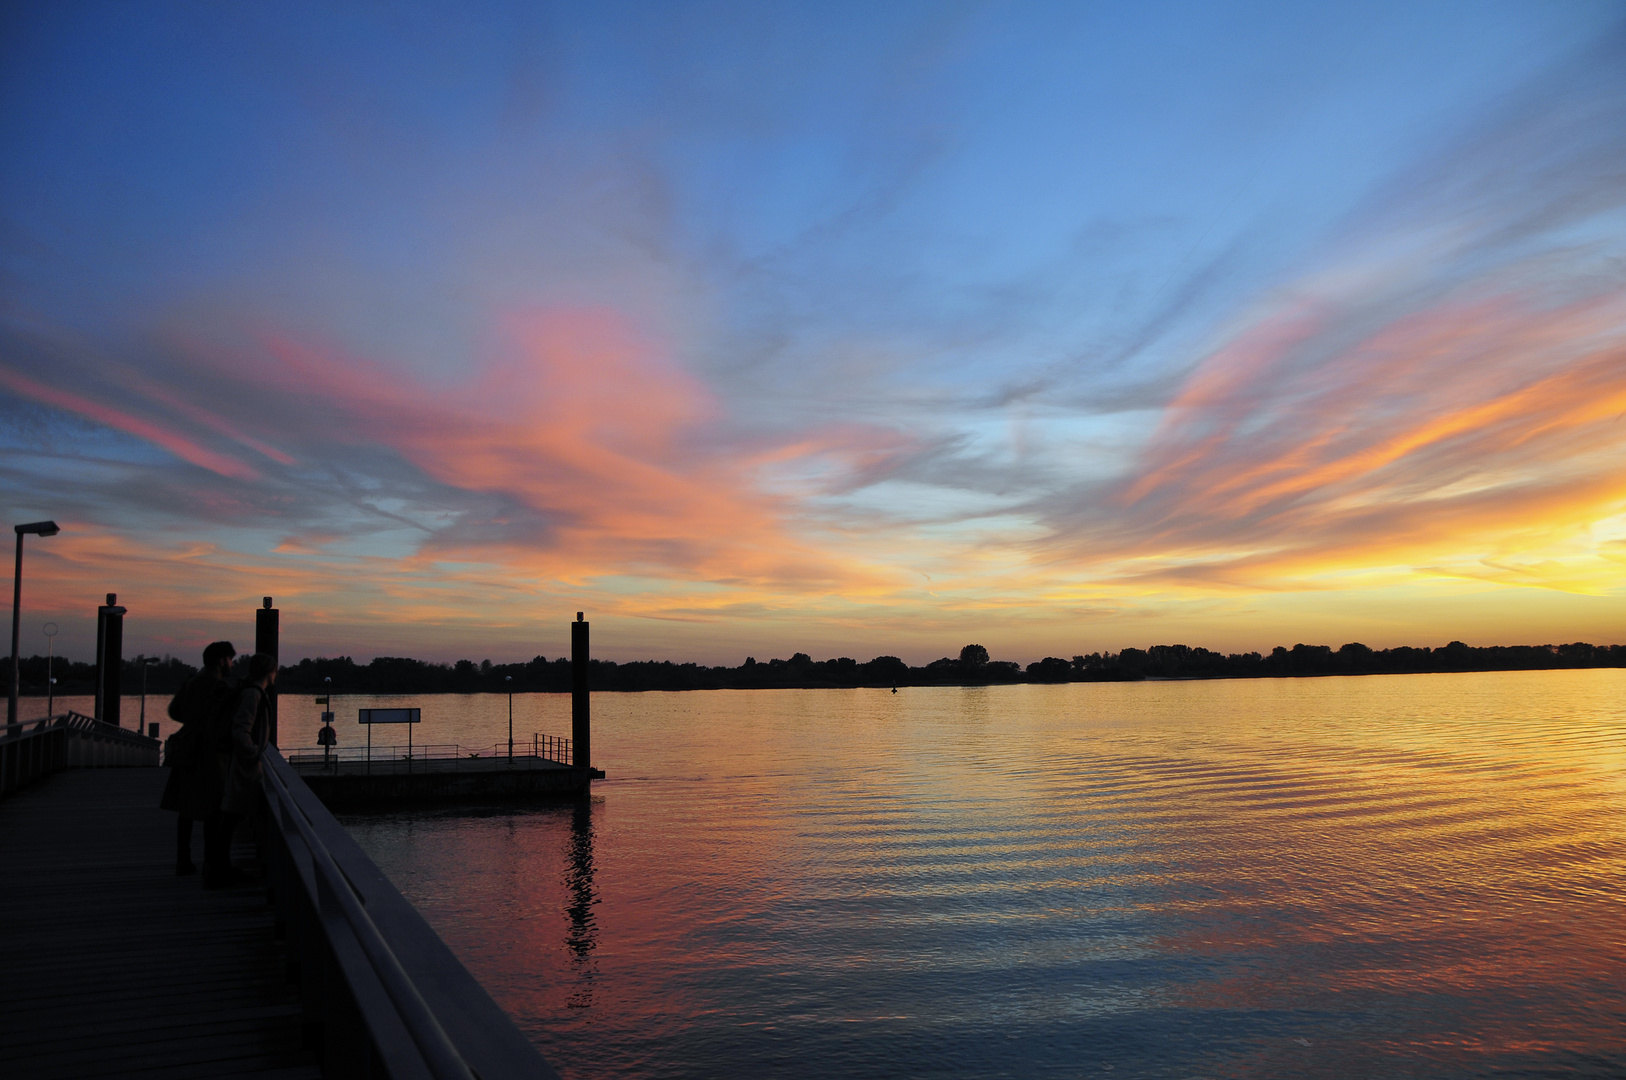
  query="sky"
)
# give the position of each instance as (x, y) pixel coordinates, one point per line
(851, 329)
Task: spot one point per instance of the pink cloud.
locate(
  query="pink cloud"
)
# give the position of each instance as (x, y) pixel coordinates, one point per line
(181, 447)
(615, 450)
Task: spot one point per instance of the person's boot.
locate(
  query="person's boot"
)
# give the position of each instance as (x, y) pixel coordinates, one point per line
(218, 872)
(222, 877)
(183, 847)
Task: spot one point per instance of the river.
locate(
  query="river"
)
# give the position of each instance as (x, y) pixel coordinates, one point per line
(1384, 876)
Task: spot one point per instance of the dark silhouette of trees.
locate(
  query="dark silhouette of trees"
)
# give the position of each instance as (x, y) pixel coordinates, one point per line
(73, 678)
(973, 657)
(402, 675)
(1050, 669)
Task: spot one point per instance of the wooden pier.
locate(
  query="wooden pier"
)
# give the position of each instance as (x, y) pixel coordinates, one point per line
(111, 966)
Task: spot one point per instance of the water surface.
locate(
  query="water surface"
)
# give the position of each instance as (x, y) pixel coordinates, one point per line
(1390, 876)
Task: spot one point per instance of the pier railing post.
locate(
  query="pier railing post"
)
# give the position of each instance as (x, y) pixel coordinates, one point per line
(581, 717)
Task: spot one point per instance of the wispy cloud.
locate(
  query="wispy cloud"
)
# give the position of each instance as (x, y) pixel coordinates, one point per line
(153, 431)
(929, 325)
(575, 451)
(1447, 391)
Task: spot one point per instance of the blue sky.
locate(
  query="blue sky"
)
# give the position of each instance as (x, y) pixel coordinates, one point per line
(875, 314)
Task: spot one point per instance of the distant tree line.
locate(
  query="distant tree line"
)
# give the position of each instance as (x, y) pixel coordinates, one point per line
(164, 676)
(388, 674)
(973, 667)
(1184, 662)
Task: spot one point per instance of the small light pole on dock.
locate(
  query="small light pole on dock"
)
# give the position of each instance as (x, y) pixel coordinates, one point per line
(509, 679)
(50, 683)
(37, 528)
(327, 737)
(146, 663)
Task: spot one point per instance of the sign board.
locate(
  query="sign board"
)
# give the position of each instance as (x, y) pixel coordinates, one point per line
(327, 737)
(388, 716)
(327, 718)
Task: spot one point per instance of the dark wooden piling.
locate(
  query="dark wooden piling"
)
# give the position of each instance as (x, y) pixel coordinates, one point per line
(109, 659)
(267, 624)
(581, 715)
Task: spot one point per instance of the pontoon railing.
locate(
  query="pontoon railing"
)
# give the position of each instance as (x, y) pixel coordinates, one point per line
(539, 748)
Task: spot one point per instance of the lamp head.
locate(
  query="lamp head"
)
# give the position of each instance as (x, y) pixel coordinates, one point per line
(38, 528)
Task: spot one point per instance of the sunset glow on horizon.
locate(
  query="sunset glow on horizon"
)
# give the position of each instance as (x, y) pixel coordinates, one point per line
(841, 330)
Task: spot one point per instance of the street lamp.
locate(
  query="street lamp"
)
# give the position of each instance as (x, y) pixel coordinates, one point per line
(509, 679)
(326, 737)
(38, 528)
(146, 662)
(50, 683)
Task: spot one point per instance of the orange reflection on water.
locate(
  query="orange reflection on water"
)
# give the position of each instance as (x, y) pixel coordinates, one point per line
(1413, 875)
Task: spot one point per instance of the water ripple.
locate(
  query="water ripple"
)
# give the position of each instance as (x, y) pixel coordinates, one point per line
(1387, 876)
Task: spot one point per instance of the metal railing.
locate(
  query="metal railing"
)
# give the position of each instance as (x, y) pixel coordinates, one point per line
(548, 748)
(382, 994)
(31, 749)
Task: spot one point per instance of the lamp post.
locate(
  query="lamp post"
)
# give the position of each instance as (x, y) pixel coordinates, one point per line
(326, 736)
(50, 683)
(509, 679)
(146, 663)
(38, 528)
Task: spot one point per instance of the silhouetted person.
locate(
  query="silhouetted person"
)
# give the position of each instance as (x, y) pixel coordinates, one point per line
(246, 740)
(196, 781)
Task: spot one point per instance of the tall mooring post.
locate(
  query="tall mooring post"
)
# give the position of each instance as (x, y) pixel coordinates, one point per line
(267, 622)
(109, 659)
(581, 716)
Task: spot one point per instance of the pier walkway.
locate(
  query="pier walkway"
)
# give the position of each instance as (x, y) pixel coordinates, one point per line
(111, 966)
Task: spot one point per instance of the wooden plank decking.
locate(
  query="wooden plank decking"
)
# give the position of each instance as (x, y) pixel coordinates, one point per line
(110, 965)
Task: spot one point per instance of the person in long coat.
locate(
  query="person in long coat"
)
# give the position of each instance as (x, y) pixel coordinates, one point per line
(196, 780)
(249, 735)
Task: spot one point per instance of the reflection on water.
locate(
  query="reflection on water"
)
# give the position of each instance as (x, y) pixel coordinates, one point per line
(1417, 876)
(582, 938)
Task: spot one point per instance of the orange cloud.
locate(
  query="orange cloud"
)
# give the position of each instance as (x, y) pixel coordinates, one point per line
(607, 451)
(1476, 430)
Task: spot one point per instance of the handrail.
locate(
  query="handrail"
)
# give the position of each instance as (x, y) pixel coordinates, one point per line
(31, 749)
(442, 1058)
(361, 951)
(80, 723)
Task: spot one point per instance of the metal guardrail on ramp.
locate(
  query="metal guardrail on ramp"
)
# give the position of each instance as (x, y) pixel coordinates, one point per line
(382, 994)
(30, 749)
